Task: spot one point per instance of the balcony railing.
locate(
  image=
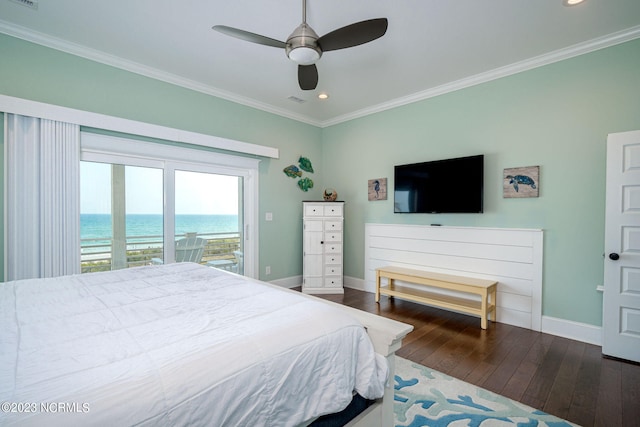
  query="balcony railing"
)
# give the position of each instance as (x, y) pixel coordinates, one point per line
(96, 253)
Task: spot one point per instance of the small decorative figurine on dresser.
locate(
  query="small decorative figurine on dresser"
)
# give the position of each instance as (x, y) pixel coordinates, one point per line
(330, 195)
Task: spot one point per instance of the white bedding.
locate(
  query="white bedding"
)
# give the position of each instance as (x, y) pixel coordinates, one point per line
(177, 344)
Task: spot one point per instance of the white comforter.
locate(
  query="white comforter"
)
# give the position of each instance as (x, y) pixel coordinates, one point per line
(178, 344)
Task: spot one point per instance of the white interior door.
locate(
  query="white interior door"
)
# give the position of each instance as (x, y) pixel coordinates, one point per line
(621, 315)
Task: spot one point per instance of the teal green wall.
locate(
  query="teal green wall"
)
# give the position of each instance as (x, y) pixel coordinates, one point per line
(557, 117)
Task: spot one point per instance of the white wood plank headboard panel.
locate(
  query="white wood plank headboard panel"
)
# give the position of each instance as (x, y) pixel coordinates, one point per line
(513, 257)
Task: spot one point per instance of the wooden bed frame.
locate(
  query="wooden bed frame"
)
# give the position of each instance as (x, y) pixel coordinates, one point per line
(386, 335)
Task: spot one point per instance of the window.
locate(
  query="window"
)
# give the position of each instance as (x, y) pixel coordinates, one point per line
(150, 203)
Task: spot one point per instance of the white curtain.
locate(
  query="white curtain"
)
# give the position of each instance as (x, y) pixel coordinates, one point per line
(42, 177)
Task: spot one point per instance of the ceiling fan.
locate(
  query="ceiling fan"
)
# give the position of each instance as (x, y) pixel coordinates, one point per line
(304, 47)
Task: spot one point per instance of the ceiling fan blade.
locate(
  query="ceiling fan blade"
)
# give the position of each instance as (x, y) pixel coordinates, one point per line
(308, 76)
(250, 37)
(354, 34)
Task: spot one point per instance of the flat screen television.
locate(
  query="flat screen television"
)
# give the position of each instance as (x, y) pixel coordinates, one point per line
(441, 186)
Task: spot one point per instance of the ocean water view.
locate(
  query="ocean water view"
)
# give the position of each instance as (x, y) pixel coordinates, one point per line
(144, 239)
(98, 226)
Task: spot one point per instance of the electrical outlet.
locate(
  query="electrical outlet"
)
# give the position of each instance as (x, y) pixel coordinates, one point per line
(267, 270)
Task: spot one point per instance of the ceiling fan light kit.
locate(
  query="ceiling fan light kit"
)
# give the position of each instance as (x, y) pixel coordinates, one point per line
(304, 47)
(304, 55)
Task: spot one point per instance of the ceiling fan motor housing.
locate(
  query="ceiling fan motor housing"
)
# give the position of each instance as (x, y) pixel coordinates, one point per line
(302, 45)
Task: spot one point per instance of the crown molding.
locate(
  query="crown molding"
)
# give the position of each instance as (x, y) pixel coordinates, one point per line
(518, 67)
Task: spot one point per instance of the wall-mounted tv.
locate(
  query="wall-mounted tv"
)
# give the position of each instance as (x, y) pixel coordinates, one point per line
(440, 186)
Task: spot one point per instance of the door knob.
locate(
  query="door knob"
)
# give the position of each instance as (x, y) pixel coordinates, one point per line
(614, 256)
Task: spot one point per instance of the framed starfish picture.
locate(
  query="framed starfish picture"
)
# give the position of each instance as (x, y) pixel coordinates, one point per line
(378, 189)
(521, 182)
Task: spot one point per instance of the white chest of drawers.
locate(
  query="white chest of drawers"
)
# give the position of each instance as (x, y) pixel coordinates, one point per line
(322, 247)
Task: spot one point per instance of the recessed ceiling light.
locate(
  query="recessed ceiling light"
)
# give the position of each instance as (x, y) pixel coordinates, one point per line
(323, 96)
(571, 2)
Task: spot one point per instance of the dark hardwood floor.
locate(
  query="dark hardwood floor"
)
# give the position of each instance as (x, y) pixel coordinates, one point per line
(566, 378)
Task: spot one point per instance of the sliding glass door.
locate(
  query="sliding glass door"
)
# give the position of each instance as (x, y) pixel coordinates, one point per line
(138, 211)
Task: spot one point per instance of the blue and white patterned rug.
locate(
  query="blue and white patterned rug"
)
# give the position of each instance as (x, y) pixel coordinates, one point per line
(426, 397)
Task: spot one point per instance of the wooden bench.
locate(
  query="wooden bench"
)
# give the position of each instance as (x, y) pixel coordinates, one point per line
(486, 289)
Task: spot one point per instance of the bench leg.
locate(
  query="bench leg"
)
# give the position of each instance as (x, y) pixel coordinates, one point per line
(484, 309)
(494, 301)
(377, 286)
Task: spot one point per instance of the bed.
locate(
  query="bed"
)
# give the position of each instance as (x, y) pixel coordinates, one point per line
(185, 344)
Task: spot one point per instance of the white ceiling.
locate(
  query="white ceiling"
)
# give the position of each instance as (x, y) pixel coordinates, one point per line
(431, 46)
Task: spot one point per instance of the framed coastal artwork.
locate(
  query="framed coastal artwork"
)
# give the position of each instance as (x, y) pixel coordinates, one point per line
(521, 182)
(377, 189)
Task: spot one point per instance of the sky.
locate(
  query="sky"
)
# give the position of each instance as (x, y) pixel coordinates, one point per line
(196, 193)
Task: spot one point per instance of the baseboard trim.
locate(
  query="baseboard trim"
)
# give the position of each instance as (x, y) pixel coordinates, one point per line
(287, 282)
(584, 332)
(355, 283)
